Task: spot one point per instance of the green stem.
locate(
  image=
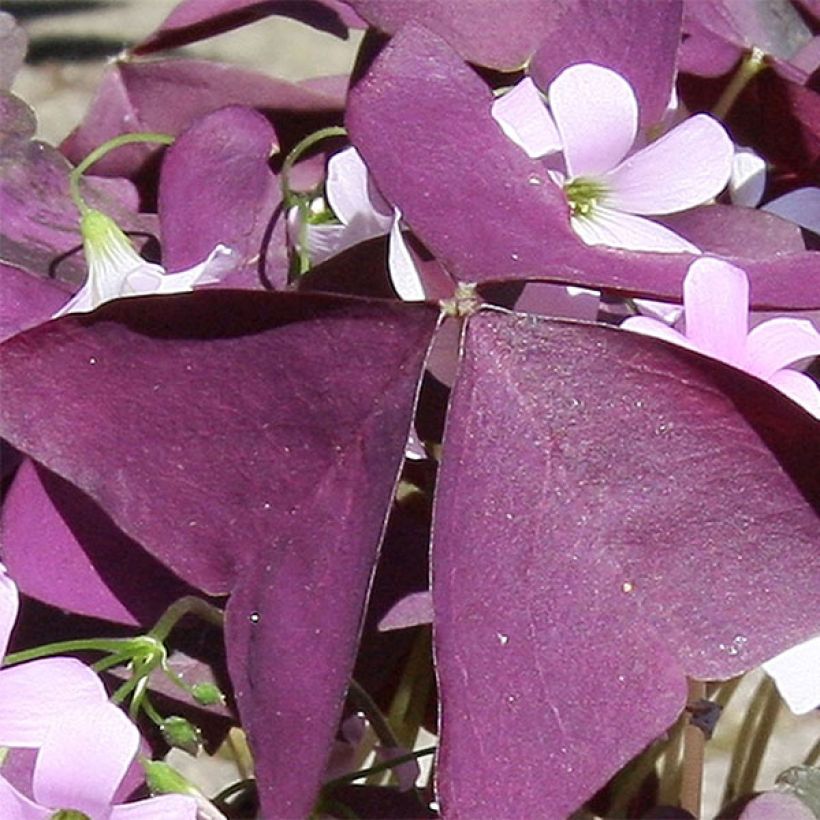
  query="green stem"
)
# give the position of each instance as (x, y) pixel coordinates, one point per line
(694, 742)
(99, 152)
(117, 659)
(743, 758)
(190, 604)
(153, 715)
(380, 767)
(813, 757)
(298, 150)
(381, 727)
(751, 65)
(669, 776)
(115, 645)
(769, 711)
(410, 701)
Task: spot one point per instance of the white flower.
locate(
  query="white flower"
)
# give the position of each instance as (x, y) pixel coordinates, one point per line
(363, 215)
(116, 270)
(610, 190)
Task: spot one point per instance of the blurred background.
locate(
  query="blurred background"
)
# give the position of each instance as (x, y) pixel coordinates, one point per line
(70, 42)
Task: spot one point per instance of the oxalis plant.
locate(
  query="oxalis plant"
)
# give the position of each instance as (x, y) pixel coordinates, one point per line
(441, 439)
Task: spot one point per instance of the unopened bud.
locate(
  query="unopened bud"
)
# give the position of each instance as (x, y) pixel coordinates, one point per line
(182, 734)
(164, 779)
(207, 694)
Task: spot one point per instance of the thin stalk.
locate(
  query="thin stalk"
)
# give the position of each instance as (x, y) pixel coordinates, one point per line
(626, 784)
(298, 150)
(189, 605)
(694, 742)
(409, 704)
(379, 767)
(751, 65)
(745, 740)
(99, 152)
(669, 776)
(115, 645)
(813, 757)
(769, 712)
(362, 700)
(723, 692)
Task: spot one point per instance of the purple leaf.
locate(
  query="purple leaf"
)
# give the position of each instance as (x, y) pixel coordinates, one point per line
(730, 230)
(40, 221)
(494, 33)
(420, 119)
(774, 26)
(639, 40)
(194, 20)
(252, 442)
(609, 517)
(27, 300)
(63, 550)
(221, 164)
(142, 382)
(167, 95)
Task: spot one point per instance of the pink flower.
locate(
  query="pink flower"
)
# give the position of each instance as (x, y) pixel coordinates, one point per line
(85, 744)
(33, 695)
(716, 311)
(610, 186)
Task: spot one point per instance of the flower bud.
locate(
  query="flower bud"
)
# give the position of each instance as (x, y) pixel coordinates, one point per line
(207, 694)
(182, 734)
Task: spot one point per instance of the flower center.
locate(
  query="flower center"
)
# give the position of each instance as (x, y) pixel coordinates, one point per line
(69, 814)
(583, 195)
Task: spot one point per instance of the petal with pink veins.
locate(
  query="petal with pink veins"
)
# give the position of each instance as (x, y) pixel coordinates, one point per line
(779, 342)
(596, 113)
(524, 118)
(716, 304)
(83, 759)
(33, 695)
(617, 229)
(684, 168)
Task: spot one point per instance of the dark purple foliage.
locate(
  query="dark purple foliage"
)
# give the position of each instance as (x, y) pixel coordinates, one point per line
(221, 163)
(609, 519)
(421, 119)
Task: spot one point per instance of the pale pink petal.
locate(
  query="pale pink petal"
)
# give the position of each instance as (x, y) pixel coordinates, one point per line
(801, 207)
(219, 262)
(164, 807)
(748, 179)
(664, 311)
(523, 116)
(33, 695)
(84, 757)
(716, 307)
(16, 806)
(656, 328)
(796, 673)
(596, 112)
(324, 241)
(684, 168)
(606, 226)
(346, 186)
(779, 342)
(402, 267)
(800, 388)
(9, 606)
